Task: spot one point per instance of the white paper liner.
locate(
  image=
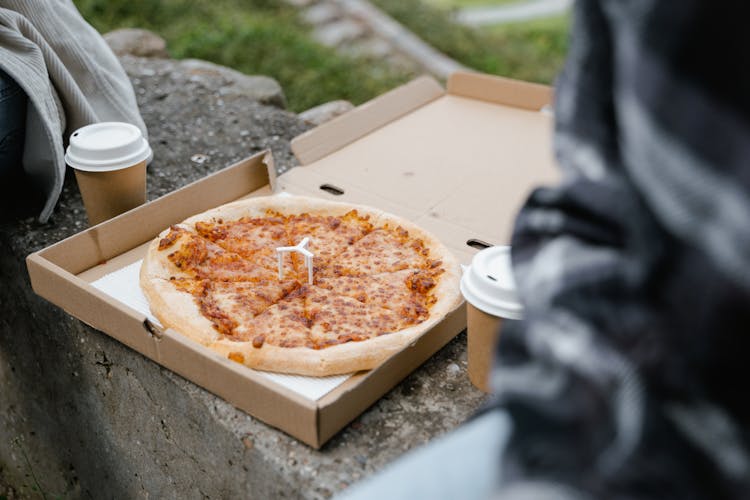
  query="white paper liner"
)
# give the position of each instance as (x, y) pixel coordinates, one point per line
(123, 285)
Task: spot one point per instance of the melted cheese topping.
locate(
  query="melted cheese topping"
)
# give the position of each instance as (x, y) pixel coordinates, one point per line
(370, 281)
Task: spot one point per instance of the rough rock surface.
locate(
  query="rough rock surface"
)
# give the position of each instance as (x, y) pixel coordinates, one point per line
(231, 88)
(325, 112)
(81, 415)
(136, 42)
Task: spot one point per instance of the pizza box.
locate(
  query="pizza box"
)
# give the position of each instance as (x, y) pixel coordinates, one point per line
(458, 162)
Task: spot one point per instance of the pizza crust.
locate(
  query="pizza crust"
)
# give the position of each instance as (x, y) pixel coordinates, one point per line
(285, 205)
(178, 310)
(343, 358)
(155, 264)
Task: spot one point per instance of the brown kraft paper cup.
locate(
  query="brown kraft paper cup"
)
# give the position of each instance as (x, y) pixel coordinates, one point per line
(109, 193)
(109, 159)
(482, 331)
(491, 297)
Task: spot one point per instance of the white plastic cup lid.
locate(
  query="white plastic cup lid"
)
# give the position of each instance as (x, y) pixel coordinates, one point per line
(102, 147)
(489, 286)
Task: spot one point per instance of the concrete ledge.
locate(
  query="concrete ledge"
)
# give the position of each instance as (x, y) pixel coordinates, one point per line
(84, 416)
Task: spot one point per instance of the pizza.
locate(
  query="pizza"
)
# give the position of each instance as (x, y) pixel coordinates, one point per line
(378, 283)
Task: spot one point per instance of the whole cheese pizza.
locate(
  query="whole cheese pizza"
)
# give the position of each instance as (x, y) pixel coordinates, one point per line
(378, 283)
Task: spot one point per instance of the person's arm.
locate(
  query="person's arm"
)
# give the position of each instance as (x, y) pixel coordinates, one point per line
(582, 254)
(618, 269)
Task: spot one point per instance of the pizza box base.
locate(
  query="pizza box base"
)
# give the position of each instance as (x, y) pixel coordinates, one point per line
(63, 272)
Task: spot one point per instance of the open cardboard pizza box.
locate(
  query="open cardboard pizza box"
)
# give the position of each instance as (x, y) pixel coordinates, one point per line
(458, 163)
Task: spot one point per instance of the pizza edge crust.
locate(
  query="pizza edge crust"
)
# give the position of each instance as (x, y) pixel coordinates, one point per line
(334, 360)
(172, 307)
(285, 205)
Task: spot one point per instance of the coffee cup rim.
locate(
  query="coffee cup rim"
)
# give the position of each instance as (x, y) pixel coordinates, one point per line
(488, 284)
(89, 157)
(497, 307)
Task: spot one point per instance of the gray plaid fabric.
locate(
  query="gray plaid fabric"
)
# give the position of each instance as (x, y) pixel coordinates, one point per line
(627, 379)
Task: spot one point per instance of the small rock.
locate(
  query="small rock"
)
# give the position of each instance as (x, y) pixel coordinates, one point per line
(338, 32)
(136, 42)
(325, 492)
(370, 47)
(248, 442)
(300, 3)
(232, 83)
(453, 370)
(200, 159)
(321, 13)
(325, 112)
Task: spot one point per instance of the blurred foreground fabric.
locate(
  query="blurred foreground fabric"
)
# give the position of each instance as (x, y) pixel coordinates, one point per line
(627, 377)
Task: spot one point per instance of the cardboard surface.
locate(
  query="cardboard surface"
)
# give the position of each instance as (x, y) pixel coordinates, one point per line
(458, 166)
(457, 163)
(369, 116)
(499, 90)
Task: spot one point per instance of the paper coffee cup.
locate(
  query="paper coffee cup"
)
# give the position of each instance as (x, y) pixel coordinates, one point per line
(490, 292)
(109, 160)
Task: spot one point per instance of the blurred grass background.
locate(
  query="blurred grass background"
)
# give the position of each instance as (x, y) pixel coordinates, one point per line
(267, 37)
(470, 3)
(532, 50)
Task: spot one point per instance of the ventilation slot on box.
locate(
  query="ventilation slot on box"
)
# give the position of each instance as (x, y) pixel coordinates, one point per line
(478, 244)
(329, 188)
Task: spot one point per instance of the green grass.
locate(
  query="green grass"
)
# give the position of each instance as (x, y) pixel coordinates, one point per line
(266, 37)
(309, 73)
(457, 4)
(531, 51)
(252, 36)
(550, 25)
(538, 47)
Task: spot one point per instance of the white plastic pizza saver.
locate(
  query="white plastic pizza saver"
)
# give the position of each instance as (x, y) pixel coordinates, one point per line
(489, 286)
(300, 247)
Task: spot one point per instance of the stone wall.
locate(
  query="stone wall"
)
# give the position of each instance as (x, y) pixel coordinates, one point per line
(81, 415)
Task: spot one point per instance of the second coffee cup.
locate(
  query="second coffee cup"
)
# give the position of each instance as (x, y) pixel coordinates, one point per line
(109, 160)
(490, 292)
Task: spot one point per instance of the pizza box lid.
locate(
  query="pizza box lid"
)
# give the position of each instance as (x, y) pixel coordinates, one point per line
(63, 272)
(458, 162)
